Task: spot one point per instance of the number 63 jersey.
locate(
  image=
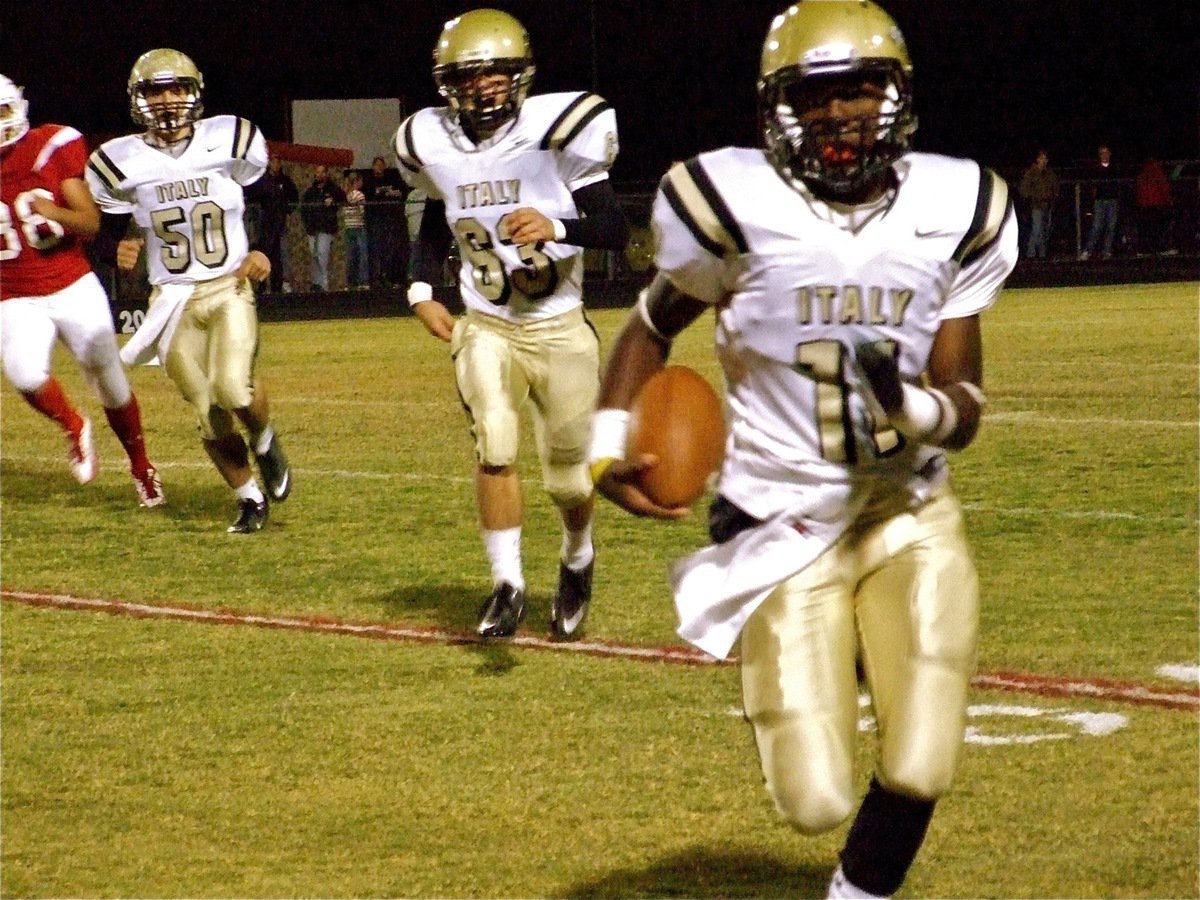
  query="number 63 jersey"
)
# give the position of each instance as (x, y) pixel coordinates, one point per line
(557, 144)
(798, 285)
(191, 207)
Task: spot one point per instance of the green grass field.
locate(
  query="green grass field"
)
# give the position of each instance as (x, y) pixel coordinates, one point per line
(150, 757)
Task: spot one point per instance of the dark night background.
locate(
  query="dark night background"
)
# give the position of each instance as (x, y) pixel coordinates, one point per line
(994, 80)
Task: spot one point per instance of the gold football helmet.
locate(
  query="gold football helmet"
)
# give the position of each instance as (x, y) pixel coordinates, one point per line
(14, 112)
(473, 46)
(821, 48)
(158, 69)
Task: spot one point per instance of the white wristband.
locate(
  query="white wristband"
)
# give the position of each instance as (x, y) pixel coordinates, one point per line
(560, 230)
(419, 292)
(610, 429)
(928, 416)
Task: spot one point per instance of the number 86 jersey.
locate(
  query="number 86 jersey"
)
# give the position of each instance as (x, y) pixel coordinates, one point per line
(558, 144)
(191, 207)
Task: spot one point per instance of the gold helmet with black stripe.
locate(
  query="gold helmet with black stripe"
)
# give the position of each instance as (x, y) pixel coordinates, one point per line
(817, 53)
(154, 71)
(483, 66)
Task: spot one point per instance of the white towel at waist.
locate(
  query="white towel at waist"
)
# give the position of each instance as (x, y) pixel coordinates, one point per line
(718, 588)
(153, 337)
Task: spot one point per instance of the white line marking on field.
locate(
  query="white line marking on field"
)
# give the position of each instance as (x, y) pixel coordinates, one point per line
(1190, 674)
(1020, 682)
(1092, 724)
(466, 479)
(1022, 416)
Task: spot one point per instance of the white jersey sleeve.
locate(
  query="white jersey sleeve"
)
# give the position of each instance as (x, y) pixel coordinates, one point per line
(695, 235)
(989, 252)
(412, 170)
(585, 138)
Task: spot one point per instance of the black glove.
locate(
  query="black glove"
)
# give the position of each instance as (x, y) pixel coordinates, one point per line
(878, 362)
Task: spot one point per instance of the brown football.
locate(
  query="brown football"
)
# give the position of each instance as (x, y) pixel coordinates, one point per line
(678, 417)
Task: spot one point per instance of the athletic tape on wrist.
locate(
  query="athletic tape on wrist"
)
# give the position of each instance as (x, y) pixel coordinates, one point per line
(610, 428)
(928, 416)
(419, 292)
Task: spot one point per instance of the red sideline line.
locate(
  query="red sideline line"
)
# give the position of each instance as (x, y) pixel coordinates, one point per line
(1132, 693)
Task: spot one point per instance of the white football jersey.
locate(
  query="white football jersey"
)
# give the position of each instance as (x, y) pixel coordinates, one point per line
(191, 207)
(798, 285)
(557, 144)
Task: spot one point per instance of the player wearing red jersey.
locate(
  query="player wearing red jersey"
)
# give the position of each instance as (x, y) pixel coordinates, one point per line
(49, 292)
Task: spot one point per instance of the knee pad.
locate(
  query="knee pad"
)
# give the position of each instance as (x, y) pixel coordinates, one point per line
(568, 484)
(808, 775)
(921, 745)
(496, 433)
(231, 392)
(26, 374)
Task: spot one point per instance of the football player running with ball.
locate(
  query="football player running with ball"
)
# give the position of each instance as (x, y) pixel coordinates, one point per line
(50, 293)
(182, 181)
(522, 183)
(847, 275)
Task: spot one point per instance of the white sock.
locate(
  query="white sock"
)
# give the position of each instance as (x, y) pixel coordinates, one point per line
(841, 888)
(577, 550)
(250, 491)
(264, 440)
(504, 552)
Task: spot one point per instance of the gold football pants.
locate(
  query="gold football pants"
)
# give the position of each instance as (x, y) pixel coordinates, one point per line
(554, 364)
(904, 591)
(211, 358)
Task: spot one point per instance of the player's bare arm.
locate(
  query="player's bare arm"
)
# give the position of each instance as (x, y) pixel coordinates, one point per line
(80, 215)
(641, 349)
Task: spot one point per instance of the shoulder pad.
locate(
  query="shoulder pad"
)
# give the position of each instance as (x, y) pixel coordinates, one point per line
(700, 206)
(573, 119)
(102, 166)
(239, 133)
(992, 204)
(404, 146)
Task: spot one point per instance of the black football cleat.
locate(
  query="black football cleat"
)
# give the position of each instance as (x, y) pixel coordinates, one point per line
(570, 607)
(276, 473)
(502, 612)
(252, 516)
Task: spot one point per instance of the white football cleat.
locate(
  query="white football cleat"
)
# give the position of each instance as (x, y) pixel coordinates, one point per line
(149, 488)
(82, 454)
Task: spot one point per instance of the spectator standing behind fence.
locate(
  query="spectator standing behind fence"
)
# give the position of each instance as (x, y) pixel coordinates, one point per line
(275, 194)
(319, 211)
(1039, 185)
(1152, 192)
(387, 231)
(1106, 204)
(354, 230)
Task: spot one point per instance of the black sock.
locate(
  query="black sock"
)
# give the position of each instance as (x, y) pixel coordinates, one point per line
(884, 839)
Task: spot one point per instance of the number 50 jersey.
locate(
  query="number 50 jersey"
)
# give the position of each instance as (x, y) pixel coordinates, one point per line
(558, 144)
(191, 208)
